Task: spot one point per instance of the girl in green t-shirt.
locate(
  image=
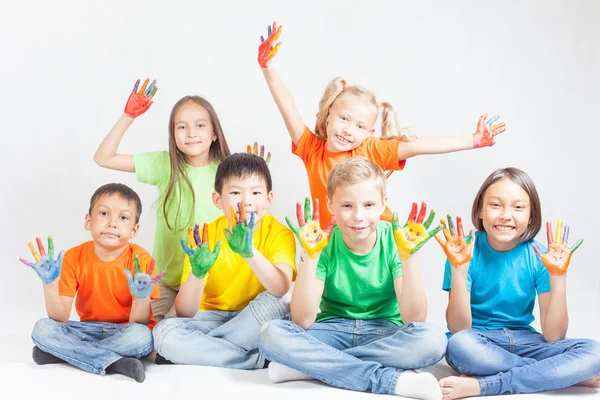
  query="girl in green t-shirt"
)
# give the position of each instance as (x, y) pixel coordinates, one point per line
(184, 176)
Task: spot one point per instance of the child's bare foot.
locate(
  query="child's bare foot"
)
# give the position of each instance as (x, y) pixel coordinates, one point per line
(592, 382)
(458, 387)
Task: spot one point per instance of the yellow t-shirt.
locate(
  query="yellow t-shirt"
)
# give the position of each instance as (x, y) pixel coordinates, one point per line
(231, 284)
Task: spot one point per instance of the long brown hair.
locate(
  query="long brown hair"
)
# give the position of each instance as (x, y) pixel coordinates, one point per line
(217, 153)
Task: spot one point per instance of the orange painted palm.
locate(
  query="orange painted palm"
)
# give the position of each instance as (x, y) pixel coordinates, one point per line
(558, 256)
(458, 249)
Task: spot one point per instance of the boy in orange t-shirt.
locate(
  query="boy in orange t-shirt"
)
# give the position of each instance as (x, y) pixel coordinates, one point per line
(113, 294)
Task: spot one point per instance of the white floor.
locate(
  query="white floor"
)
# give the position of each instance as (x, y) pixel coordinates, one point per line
(21, 378)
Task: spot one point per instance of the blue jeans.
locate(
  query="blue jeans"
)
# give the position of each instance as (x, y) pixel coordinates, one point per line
(92, 346)
(227, 339)
(521, 361)
(352, 354)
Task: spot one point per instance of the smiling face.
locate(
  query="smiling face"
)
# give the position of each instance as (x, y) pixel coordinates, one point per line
(350, 122)
(357, 209)
(193, 132)
(505, 214)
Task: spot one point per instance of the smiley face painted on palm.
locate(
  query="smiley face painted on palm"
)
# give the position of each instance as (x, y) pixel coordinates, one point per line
(415, 232)
(142, 286)
(557, 253)
(312, 236)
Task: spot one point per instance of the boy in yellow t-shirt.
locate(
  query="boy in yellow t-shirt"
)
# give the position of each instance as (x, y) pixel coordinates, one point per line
(236, 280)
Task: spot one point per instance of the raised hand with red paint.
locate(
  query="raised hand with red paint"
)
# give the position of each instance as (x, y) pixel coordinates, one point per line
(312, 238)
(201, 258)
(558, 256)
(140, 101)
(47, 268)
(413, 235)
(142, 283)
(240, 236)
(486, 132)
(254, 150)
(458, 249)
(266, 51)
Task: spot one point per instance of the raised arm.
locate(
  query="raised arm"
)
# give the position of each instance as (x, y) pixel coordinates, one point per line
(202, 260)
(553, 306)
(138, 103)
(308, 290)
(281, 94)
(458, 250)
(483, 137)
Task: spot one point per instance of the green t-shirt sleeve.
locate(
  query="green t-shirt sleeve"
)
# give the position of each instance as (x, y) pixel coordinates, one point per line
(152, 167)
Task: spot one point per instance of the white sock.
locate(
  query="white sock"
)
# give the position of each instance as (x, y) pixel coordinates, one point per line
(418, 385)
(281, 373)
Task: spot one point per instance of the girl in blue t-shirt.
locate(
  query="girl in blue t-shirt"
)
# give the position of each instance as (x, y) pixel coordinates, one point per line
(492, 278)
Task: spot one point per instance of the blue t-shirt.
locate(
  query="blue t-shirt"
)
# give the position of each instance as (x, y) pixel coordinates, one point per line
(503, 285)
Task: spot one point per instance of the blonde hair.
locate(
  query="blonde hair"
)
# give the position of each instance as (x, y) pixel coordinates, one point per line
(355, 170)
(390, 125)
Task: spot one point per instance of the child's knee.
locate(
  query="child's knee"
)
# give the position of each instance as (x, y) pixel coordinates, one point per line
(161, 330)
(271, 334)
(45, 327)
(434, 343)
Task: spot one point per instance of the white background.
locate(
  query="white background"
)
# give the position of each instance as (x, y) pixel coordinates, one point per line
(67, 68)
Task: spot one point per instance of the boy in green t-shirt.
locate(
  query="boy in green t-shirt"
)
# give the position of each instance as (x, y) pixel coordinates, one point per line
(370, 332)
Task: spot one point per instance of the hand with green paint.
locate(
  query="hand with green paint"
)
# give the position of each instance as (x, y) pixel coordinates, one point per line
(142, 283)
(458, 249)
(240, 236)
(557, 258)
(47, 268)
(312, 238)
(201, 258)
(413, 235)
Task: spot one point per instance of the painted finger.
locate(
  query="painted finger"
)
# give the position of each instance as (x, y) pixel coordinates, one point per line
(451, 226)
(566, 235)
(330, 225)
(300, 215)
(40, 246)
(205, 233)
(559, 229)
(135, 87)
(537, 250)
(429, 220)
(576, 245)
(459, 227)
(50, 247)
(307, 213)
(185, 248)
(28, 263)
(197, 239)
(413, 213)
(316, 209)
(144, 86)
(34, 252)
(549, 232)
(422, 213)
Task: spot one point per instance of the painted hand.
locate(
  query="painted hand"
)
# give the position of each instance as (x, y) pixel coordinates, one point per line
(139, 102)
(558, 256)
(254, 151)
(312, 238)
(413, 235)
(240, 236)
(486, 132)
(142, 283)
(266, 51)
(201, 258)
(458, 250)
(47, 268)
